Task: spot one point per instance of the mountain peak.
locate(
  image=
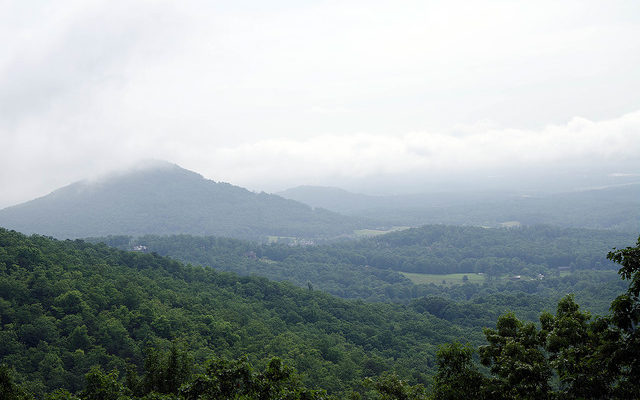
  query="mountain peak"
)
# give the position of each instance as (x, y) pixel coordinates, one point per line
(145, 167)
(158, 197)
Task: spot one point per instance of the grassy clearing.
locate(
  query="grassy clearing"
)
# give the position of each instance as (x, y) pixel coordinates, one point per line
(510, 224)
(376, 232)
(456, 279)
(276, 239)
(443, 279)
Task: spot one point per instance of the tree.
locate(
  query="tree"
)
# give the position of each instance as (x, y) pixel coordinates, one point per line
(235, 379)
(457, 376)
(165, 373)
(390, 387)
(9, 390)
(102, 386)
(625, 317)
(576, 346)
(517, 360)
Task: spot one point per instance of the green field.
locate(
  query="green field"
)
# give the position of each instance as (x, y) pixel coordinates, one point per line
(376, 232)
(276, 239)
(443, 279)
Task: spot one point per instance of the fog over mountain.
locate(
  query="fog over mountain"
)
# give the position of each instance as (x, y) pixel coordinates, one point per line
(161, 198)
(615, 207)
(374, 97)
(413, 173)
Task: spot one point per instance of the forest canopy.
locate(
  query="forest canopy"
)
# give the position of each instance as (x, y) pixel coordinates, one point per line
(87, 321)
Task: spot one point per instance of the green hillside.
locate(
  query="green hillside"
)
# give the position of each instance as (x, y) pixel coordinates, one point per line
(66, 306)
(441, 249)
(375, 269)
(71, 311)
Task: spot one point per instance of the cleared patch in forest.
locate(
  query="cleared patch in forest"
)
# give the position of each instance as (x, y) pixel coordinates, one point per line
(444, 279)
(376, 232)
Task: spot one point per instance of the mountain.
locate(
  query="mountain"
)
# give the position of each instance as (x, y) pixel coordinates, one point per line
(333, 198)
(615, 207)
(162, 198)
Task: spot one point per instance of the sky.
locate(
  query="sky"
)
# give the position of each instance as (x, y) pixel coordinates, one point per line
(359, 94)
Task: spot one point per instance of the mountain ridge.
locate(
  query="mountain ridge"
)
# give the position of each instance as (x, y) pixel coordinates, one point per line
(615, 207)
(166, 199)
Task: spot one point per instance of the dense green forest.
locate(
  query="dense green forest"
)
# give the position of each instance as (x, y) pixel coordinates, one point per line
(66, 306)
(368, 268)
(108, 324)
(473, 305)
(525, 250)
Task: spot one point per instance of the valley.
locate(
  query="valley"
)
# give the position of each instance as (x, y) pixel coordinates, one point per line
(348, 306)
(319, 200)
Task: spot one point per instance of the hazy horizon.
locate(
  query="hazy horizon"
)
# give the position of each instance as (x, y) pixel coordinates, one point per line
(373, 97)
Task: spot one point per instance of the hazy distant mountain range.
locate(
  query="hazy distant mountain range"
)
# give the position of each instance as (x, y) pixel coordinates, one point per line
(163, 198)
(613, 207)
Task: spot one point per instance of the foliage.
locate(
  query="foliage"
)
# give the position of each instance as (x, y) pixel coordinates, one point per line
(9, 390)
(390, 387)
(625, 317)
(516, 358)
(236, 379)
(462, 249)
(457, 377)
(69, 311)
(66, 306)
(570, 341)
(592, 358)
(369, 269)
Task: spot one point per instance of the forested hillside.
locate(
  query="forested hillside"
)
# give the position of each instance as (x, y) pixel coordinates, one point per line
(66, 306)
(525, 250)
(71, 310)
(162, 198)
(371, 268)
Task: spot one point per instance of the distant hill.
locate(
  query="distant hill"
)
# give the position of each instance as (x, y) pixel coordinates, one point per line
(333, 198)
(373, 269)
(162, 198)
(613, 207)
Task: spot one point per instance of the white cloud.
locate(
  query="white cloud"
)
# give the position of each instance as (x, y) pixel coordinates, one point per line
(264, 162)
(279, 162)
(263, 94)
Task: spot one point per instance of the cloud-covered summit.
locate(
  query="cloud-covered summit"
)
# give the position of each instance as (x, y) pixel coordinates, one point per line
(276, 95)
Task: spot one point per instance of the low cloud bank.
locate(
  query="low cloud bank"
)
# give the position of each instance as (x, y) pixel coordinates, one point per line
(31, 167)
(470, 149)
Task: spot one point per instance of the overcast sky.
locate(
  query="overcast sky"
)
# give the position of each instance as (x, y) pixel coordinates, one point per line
(274, 94)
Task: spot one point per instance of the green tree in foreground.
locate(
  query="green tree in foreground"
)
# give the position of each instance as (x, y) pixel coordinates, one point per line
(597, 358)
(625, 317)
(236, 379)
(102, 386)
(516, 357)
(457, 377)
(390, 387)
(578, 350)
